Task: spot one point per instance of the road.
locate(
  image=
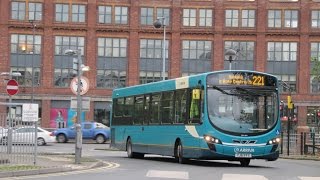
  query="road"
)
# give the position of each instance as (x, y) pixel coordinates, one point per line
(159, 167)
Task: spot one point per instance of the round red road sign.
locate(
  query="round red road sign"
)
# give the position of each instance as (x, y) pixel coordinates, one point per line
(12, 87)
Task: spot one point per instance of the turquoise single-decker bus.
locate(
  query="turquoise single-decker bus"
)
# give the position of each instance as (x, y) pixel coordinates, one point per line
(223, 115)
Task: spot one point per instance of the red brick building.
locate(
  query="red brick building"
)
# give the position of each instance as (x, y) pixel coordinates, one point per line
(118, 41)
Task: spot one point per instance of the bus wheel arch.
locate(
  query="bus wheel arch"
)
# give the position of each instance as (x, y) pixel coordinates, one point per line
(129, 148)
(130, 152)
(178, 151)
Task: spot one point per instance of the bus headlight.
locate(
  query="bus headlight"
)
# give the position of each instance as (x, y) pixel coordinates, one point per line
(274, 141)
(211, 140)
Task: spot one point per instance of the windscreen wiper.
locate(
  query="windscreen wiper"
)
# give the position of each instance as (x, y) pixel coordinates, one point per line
(248, 92)
(221, 90)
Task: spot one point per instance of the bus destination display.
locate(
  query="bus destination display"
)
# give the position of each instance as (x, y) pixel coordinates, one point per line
(246, 79)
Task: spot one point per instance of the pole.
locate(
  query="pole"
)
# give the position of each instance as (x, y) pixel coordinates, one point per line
(288, 131)
(164, 49)
(33, 51)
(9, 140)
(78, 146)
(32, 92)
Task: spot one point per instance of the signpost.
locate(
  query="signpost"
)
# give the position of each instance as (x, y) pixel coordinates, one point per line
(12, 87)
(30, 112)
(84, 85)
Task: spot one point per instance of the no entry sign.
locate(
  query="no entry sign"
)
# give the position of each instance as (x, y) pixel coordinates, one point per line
(12, 87)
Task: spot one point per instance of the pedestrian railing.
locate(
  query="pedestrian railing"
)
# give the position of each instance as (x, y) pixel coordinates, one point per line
(16, 147)
(300, 144)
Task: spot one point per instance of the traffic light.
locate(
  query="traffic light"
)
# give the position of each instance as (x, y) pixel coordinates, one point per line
(290, 104)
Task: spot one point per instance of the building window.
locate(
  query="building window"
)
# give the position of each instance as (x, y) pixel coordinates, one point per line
(290, 80)
(244, 19)
(77, 13)
(290, 18)
(282, 57)
(112, 62)
(18, 11)
(232, 18)
(25, 58)
(164, 12)
(102, 112)
(63, 69)
(105, 14)
(116, 15)
(315, 18)
(151, 53)
(196, 57)
(315, 67)
(248, 18)
(245, 54)
(146, 17)
(62, 12)
(121, 15)
(205, 17)
(282, 51)
(189, 17)
(25, 44)
(35, 11)
(313, 116)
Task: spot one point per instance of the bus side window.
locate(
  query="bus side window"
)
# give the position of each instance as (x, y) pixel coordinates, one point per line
(155, 108)
(118, 106)
(180, 106)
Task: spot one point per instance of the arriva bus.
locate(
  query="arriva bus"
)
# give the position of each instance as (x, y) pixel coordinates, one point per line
(223, 115)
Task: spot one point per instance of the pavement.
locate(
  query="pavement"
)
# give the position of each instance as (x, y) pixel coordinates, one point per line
(53, 163)
(63, 162)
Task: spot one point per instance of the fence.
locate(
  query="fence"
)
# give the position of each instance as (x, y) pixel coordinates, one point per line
(17, 141)
(300, 144)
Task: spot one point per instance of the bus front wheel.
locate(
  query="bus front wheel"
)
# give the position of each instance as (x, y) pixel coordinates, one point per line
(130, 152)
(179, 154)
(245, 162)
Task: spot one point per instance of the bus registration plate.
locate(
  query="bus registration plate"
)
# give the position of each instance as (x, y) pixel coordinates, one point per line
(243, 155)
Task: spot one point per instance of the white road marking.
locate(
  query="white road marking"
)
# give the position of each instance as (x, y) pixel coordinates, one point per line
(168, 174)
(243, 177)
(309, 178)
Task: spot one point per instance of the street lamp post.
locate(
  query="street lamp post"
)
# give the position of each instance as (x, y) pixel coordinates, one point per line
(159, 24)
(230, 55)
(78, 144)
(33, 51)
(290, 113)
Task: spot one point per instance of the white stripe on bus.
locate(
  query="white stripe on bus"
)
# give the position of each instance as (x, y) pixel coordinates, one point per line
(192, 131)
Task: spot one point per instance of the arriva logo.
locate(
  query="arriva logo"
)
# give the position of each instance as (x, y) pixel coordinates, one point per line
(243, 150)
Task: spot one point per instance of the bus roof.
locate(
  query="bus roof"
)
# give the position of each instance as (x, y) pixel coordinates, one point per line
(171, 84)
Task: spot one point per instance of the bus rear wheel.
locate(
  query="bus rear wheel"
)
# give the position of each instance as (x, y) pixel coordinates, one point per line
(245, 162)
(130, 152)
(179, 154)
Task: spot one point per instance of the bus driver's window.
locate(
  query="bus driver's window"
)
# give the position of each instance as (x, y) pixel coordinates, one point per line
(195, 106)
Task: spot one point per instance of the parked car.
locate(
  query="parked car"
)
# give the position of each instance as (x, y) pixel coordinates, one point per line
(90, 130)
(26, 135)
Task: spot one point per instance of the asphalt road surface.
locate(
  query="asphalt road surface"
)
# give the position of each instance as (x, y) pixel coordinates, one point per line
(159, 167)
